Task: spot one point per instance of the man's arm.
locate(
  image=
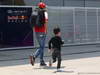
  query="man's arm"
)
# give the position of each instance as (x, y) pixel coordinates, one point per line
(46, 20)
(46, 16)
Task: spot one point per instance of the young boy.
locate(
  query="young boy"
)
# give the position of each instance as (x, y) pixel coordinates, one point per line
(55, 44)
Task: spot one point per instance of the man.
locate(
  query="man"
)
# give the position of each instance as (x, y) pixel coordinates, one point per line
(41, 32)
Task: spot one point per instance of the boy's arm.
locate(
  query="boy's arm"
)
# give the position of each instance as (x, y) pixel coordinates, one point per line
(61, 41)
(49, 44)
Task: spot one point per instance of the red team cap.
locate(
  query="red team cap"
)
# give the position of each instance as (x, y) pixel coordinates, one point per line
(42, 5)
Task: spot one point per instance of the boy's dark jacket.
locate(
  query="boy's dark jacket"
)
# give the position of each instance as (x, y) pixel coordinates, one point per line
(55, 42)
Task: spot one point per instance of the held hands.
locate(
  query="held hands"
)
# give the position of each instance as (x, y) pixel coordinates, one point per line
(50, 50)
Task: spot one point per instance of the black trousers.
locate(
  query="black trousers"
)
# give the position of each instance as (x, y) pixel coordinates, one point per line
(56, 55)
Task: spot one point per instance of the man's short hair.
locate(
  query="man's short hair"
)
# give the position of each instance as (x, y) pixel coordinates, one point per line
(56, 30)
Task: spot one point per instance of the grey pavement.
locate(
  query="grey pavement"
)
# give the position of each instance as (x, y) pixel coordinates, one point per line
(72, 64)
(76, 60)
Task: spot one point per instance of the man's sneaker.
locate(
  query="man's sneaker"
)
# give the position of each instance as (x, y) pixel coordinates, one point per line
(43, 64)
(32, 60)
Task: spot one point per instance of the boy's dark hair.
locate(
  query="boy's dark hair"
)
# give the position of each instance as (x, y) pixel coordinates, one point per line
(56, 30)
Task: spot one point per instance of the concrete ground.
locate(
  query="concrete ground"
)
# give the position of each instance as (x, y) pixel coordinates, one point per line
(82, 66)
(72, 64)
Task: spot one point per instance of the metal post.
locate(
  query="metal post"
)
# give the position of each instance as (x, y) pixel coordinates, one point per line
(86, 24)
(63, 2)
(84, 3)
(12, 2)
(97, 24)
(74, 25)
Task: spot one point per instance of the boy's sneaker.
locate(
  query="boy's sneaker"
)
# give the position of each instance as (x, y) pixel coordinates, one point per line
(54, 61)
(59, 70)
(50, 63)
(32, 60)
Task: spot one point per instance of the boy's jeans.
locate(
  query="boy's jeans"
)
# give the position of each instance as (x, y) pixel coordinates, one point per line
(57, 54)
(41, 37)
